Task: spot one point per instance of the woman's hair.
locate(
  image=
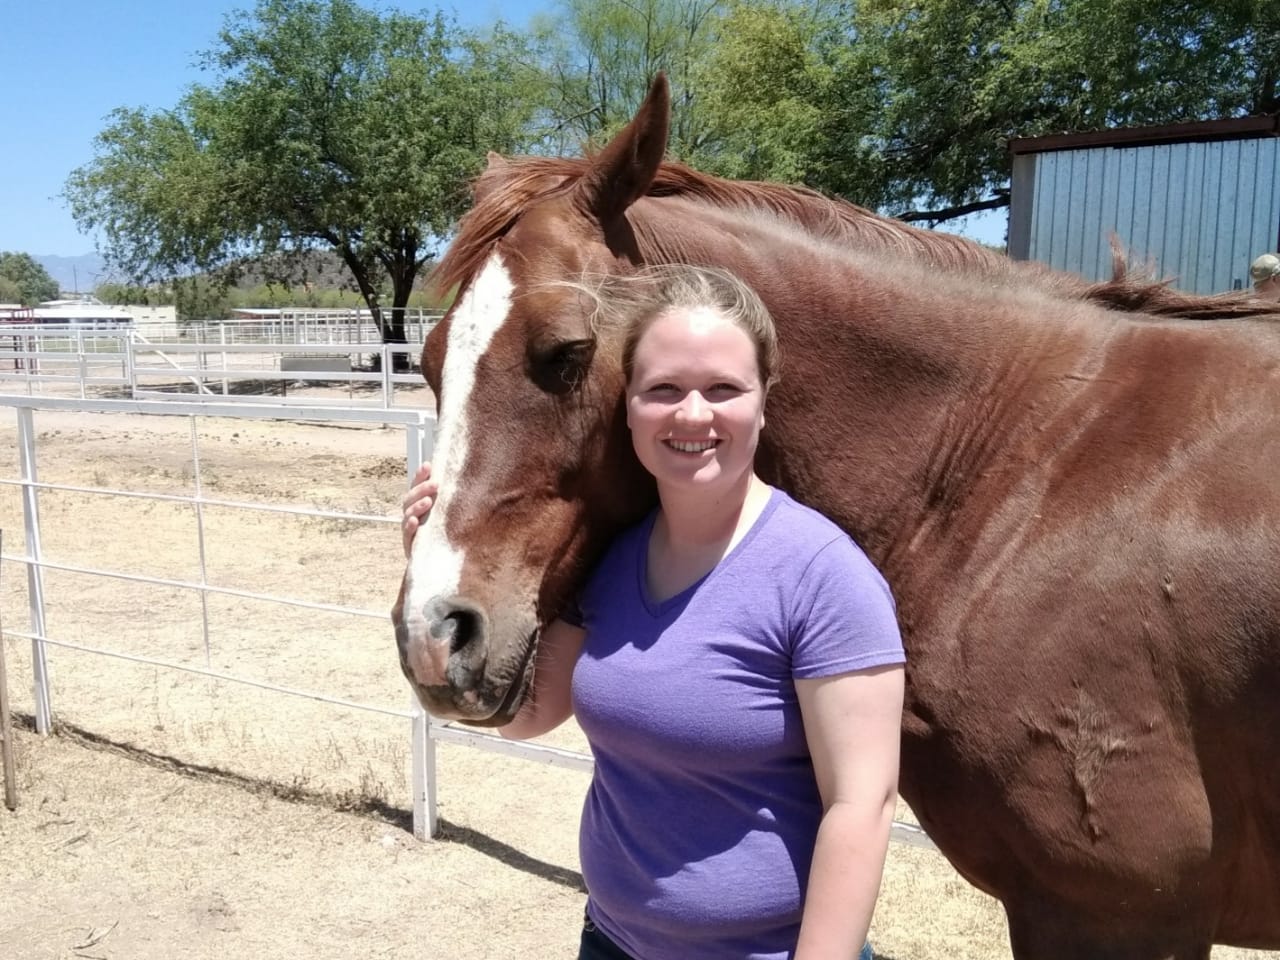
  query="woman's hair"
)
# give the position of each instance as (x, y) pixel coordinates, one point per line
(629, 304)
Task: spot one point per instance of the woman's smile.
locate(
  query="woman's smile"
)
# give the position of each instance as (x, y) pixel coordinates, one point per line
(692, 446)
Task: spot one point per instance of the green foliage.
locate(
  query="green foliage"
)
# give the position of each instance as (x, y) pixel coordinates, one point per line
(325, 124)
(125, 293)
(27, 282)
(930, 91)
(762, 89)
(601, 55)
(908, 105)
(200, 298)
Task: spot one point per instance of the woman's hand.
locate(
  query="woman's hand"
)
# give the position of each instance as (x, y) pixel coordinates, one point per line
(417, 504)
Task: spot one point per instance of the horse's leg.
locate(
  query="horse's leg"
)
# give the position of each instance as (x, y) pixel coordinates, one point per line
(1044, 931)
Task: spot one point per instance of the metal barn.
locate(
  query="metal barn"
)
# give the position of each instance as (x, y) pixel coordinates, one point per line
(1196, 201)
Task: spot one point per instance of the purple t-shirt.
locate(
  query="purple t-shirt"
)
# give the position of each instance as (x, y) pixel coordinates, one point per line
(699, 824)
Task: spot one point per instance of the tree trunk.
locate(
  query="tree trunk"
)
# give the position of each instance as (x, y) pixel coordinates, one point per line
(394, 332)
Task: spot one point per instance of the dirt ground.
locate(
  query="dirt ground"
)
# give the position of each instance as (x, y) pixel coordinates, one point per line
(176, 815)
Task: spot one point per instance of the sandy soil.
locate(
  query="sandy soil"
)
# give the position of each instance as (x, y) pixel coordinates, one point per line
(175, 815)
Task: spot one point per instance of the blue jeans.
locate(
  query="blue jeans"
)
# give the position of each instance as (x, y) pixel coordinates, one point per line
(596, 946)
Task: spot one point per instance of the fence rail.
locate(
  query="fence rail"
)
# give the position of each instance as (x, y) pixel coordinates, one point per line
(424, 732)
(214, 360)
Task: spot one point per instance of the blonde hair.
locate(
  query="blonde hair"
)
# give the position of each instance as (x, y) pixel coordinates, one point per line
(629, 304)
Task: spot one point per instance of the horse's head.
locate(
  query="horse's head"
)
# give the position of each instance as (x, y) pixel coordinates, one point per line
(533, 456)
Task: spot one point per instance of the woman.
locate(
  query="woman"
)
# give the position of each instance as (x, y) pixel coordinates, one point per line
(745, 783)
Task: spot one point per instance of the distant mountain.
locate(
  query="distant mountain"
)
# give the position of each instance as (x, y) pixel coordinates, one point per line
(75, 274)
(316, 270)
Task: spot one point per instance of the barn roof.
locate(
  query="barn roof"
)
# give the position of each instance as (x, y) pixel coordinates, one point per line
(1234, 129)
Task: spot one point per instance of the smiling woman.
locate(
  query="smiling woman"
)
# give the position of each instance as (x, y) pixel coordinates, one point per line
(759, 737)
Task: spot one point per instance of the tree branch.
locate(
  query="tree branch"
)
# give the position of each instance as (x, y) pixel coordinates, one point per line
(936, 217)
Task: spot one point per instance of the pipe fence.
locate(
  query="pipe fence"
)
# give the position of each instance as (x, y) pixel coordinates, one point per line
(424, 733)
(232, 361)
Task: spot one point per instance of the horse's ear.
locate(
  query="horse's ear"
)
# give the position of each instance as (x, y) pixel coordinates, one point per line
(620, 174)
(495, 166)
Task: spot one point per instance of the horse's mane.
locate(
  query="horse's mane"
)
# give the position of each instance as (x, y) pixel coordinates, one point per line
(507, 189)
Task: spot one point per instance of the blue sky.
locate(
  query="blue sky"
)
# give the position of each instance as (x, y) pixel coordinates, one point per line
(69, 63)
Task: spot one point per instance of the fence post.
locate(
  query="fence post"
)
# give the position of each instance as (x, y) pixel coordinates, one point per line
(81, 362)
(386, 379)
(125, 355)
(6, 725)
(35, 575)
(418, 444)
(202, 364)
(130, 373)
(222, 338)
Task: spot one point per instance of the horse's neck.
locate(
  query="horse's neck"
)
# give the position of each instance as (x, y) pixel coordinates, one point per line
(900, 390)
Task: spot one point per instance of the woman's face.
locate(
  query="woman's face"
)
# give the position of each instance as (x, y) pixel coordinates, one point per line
(1268, 289)
(695, 404)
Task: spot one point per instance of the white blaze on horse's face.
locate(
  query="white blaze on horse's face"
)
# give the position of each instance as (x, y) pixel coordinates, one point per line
(435, 565)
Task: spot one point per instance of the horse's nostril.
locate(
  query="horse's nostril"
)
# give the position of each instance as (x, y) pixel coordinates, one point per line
(460, 628)
(455, 623)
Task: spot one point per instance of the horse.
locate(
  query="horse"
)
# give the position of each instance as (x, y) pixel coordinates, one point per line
(1070, 488)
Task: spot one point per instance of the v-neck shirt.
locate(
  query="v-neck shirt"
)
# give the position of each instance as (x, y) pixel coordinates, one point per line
(699, 824)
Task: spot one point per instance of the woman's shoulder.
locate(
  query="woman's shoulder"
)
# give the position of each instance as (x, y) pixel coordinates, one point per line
(816, 542)
(803, 522)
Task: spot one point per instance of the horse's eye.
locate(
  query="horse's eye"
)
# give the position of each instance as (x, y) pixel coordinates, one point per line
(562, 366)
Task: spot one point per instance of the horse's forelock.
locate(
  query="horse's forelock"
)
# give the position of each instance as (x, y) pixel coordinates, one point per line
(503, 193)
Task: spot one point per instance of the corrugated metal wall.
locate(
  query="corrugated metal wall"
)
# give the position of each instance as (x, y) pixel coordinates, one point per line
(1200, 211)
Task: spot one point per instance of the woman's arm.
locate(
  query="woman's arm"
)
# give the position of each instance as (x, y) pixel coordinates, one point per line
(852, 723)
(550, 702)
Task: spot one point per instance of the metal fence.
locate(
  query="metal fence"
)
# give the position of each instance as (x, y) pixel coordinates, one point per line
(316, 327)
(417, 428)
(229, 361)
(416, 425)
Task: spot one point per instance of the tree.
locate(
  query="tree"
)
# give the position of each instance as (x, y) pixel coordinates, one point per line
(937, 88)
(761, 91)
(124, 293)
(27, 281)
(601, 55)
(908, 105)
(327, 124)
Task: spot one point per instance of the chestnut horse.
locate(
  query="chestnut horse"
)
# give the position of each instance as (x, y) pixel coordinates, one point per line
(1074, 501)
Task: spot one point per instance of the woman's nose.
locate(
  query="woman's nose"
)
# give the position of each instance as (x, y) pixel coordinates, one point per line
(695, 408)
